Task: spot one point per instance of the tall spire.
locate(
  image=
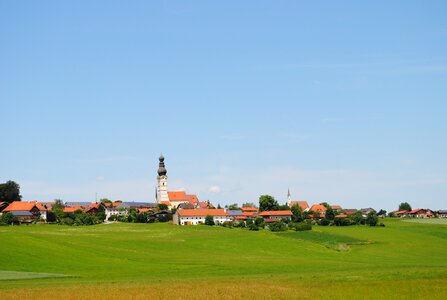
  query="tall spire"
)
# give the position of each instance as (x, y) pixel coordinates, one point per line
(161, 166)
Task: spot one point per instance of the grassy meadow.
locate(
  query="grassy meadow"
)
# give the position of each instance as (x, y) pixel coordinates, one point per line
(404, 260)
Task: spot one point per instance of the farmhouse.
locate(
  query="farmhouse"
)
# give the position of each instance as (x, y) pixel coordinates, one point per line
(421, 213)
(24, 211)
(441, 213)
(274, 216)
(197, 216)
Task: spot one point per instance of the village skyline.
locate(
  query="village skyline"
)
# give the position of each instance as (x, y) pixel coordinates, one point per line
(338, 103)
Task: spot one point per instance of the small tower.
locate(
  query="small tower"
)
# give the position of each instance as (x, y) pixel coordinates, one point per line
(162, 181)
(289, 198)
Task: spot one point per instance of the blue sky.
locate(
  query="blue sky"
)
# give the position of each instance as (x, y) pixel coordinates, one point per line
(340, 101)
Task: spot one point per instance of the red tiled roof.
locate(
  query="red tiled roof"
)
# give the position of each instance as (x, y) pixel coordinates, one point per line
(302, 204)
(166, 203)
(201, 212)
(41, 207)
(20, 206)
(341, 216)
(250, 209)
(73, 209)
(250, 213)
(276, 213)
(336, 207)
(318, 208)
(177, 196)
(400, 212)
(192, 199)
(145, 210)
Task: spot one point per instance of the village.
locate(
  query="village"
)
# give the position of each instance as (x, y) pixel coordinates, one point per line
(186, 209)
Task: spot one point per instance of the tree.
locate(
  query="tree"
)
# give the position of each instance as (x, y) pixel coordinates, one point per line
(141, 218)
(381, 213)
(105, 200)
(58, 205)
(8, 218)
(330, 214)
(372, 219)
(162, 206)
(404, 206)
(357, 218)
(267, 202)
(297, 213)
(259, 221)
(248, 204)
(209, 220)
(9, 192)
(51, 216)
(284, 207)
(218, 206)
(233, 206)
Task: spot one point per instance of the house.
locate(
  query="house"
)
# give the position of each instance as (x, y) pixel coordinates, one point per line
(162, 216)
(24, 211)
(71, 204)
(94, 208)
(441, 213)
(302, 204)
(251, 209)
(366, 211)
(350, 211)
(400, 213)
(318, 208)
(177, 198)
(336, 207)
(421, 213)
(236, 215)
(197, 216)
(277, 215)
(43, 210)
(204, 204)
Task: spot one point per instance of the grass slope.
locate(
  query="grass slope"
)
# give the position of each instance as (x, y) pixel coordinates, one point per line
(401, 260)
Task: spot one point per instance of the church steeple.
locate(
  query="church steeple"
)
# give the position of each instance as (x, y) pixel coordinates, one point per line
(161, 166)
(162, 181)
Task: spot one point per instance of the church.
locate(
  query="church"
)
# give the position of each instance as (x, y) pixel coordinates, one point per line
(176, 198)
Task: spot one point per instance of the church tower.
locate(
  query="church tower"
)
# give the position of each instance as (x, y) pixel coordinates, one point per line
(162, 181)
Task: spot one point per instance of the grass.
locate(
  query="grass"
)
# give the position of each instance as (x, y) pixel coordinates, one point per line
(139, 261)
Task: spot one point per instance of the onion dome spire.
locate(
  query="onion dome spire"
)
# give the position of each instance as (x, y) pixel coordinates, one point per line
(161, 166)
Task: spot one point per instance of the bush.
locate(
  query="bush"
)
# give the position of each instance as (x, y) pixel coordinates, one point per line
(372, 219)
(141, 218)
(277, 226)
(228, 224)
(342, 222)
(209, 220)
(67, 221)
(113, 218)
(51, 216)
(8, 218)
(259, 221)
(303, 226)
(323, 222)
(253, 227)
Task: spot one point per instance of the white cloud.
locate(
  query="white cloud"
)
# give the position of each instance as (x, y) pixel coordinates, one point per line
(215, 189)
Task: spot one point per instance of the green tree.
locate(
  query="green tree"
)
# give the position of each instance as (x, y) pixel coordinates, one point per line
(162, 206)
(330, 214)
(297, 213)
(248, 204)
(233, 206)
(58, 205)
(8, 218)
(10, 192)
(381, 213)
(209, 220)
(372, 219)
(284, 207)
(267, 202)
(105, 200)
(404, 206)
(141, 218)
(218, 206)
(51, 216)
(259, 221)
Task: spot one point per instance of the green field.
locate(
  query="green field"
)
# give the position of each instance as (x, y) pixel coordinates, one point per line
(162, 261)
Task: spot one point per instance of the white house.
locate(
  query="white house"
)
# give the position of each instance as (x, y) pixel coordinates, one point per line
(197, 216)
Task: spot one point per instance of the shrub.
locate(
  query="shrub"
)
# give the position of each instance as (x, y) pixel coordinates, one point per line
(8, 218)
(141, 218)
(259, 221)
(209, 220)
(228, 224)
(253, 227)
(67, 221)
(51, 216)
(342, 222)
(113, 218)
(303, 226)
(323, 222)
(372, 219)
(277, 226)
